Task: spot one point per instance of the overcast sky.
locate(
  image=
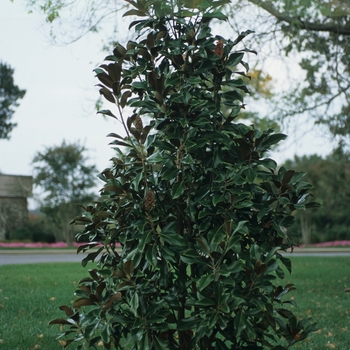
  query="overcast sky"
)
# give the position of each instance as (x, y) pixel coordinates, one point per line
(59, 103)
(61, 94)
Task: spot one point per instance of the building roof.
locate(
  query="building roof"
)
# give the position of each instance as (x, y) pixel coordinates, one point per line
(16, 186)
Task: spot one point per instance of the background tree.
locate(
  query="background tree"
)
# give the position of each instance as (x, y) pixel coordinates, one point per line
(330, 177)
(261, 93)
(9, 96)
(316, 33)
(65, 179)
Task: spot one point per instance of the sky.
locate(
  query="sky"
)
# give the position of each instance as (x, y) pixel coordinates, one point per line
(60, 97)
(59, 103)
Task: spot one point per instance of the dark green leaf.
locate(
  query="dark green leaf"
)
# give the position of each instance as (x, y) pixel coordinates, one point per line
(217, 198)
(173, 239)
(250, 174)
(239, 226)
(240, 323)
(145, 239)
(134, 304)
(163, 145)
(124, 98)
(107, 112)
(60, 321)
(106, 333)
(231, 97)
(234, 59)
(107, 94)
(313, 205)
(170, 173)
(160, 344)
(177, 190)
(134, 13)
(271, 140)
(128, 267)
(204, 281)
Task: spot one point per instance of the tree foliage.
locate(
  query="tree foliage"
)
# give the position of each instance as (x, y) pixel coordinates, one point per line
(188, 233)
(9, 96)
(66, 181)
(318, 32)
(330, 177)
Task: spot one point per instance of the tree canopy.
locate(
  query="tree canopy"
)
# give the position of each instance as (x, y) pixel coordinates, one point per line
(315, 33)
(318, 34)
(9, 96)
(330, 177)
(66, 180)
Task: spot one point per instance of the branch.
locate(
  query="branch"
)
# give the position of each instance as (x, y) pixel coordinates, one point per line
(295, 21)
(316, 105)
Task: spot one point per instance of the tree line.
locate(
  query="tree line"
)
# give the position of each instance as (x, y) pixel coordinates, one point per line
(330, 177)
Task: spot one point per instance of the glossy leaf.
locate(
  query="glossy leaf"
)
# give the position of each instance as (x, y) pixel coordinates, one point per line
(134, 304)
(240, 323)
(134, 13)
(177, 190)
(83, 302)
(60, 321)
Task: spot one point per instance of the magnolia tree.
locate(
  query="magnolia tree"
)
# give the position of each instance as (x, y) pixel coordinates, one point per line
(193, 216)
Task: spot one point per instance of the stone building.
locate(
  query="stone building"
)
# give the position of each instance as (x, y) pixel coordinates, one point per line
(14, 193)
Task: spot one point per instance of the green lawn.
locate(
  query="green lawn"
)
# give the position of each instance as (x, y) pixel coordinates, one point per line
(30, 296)
(320, 294)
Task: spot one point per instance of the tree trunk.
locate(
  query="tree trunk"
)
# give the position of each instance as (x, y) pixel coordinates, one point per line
(305, 224)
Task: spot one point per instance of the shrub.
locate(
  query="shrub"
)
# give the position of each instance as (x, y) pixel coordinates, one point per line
(198, 210)
(37, 230)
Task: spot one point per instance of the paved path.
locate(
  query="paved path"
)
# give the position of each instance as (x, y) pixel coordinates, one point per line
(43, 256)
(319, 254)
(37, 256)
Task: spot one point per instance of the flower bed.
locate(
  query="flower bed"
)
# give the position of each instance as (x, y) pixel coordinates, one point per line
(331, 244)
(75, 244)
(37, 245)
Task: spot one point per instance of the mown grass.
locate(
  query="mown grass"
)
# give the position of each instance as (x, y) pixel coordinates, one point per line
(29, 299)
(30, 296)
(322, 294)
